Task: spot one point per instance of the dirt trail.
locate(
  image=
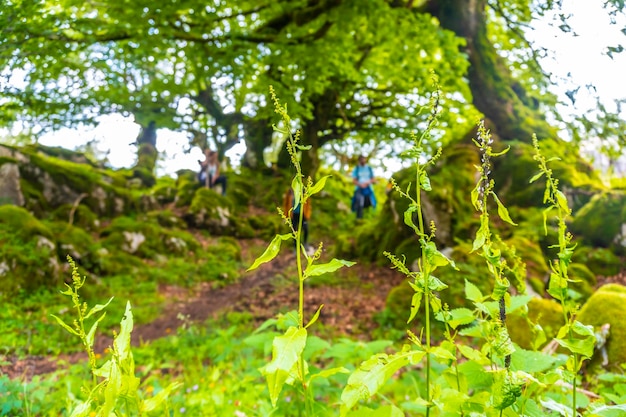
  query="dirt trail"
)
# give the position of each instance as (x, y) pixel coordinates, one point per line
(348, 308)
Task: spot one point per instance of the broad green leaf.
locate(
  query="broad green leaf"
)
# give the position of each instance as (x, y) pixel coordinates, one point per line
(502, 211)
(92, 332)
(473, 354)
(424, 181)
(329, 372)
(475, 195)
(82, 410)
(408, 218)
(318, 186)
(434, 257)
(319, 269)
(481, 235)
(531, 361)
(451, 400)
(435, 284)
(562, 200)
(121, 343)
(373, 374)
(65, 326)
(442, 353)
(416, 300)
(271, 251)
(557, 286)
(472, 292)
(460, 316)
(608, 410)
(296, 186)
(286, 351)
(536, 177)
(582, 339)
(315, 316)
(153, 403)
(97, 308)
(552, 405)
(435, 303)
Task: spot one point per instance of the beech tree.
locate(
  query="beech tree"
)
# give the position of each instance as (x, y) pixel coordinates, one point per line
(349, 70)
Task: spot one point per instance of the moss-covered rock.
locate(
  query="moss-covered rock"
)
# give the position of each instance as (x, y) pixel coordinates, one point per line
(583, 279)
(10, 190)
(77, 215)
(48, 183)
(146, 239)
(546, 312)
(600, 261)
(28, 252)
(186, 186)
(164, 190)
(75, 242)
(513, 172)
(602, 221)
(210, 211)
(606, 305)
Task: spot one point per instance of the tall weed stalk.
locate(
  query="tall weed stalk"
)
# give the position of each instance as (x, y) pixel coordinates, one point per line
(288, 365)
(574, 336)
(115, 388)
(373, 374)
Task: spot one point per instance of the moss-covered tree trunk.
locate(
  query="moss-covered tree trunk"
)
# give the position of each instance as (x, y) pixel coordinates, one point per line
(147, 155)
(496, 94)
(258, 136)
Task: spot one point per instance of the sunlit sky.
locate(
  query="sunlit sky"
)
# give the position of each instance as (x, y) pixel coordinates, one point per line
(577, 59)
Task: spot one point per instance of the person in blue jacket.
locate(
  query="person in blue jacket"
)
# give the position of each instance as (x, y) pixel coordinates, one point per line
(363, 178)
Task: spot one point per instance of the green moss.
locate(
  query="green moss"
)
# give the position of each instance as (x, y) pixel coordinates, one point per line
(165, 190)
(186, 186)
(82, 216)
(513, 172)
(600, 261)
(547, 313)
(28, 257)
(606, 305)
(146, 239)
(210, 210)
(584, 279)
(77, 243)
(22, 223)
(600, 221)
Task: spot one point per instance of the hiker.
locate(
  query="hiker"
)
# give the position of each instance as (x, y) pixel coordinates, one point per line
(294, 215)
(209, 174)
(363, 178)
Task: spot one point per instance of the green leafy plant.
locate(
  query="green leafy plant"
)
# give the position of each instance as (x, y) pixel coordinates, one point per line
(288, 365)
(574, 336)
(373, 373)
(114, 388)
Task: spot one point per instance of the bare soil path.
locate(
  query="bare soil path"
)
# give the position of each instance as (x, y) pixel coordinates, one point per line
(349, 307)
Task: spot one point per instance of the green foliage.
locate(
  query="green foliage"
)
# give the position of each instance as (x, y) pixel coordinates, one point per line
(288, 365)
(606, 306)
(28, 252)
(600, 221)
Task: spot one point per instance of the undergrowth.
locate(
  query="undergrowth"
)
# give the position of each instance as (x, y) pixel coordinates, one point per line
(229, 367)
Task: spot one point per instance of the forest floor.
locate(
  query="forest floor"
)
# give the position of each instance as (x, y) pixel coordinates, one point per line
(349, 306)
(349, 309)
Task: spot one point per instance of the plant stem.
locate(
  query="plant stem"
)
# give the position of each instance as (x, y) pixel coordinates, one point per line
(426, 274)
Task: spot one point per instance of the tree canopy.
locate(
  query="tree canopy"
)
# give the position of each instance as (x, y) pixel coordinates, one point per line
(348, 70)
